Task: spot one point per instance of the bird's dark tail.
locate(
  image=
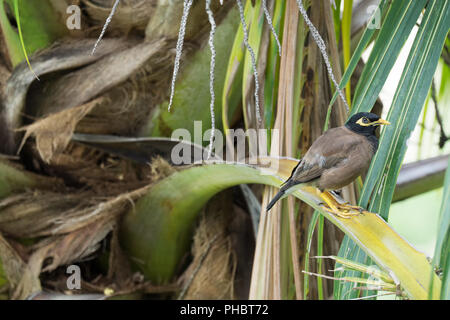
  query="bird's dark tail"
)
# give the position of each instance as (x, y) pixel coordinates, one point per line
(275, 199)
(283, 189)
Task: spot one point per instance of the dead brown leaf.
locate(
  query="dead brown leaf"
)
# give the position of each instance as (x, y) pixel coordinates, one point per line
(36, 214)
(60, 57)
(20, 277)
(54, 132)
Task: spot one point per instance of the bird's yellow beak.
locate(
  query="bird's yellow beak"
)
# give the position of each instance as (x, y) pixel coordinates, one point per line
(381, 122)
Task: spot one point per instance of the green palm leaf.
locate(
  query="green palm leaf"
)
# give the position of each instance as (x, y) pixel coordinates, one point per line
(363, 42)
(38, 25)
(442, 251)
(407, 105)
(400, 20)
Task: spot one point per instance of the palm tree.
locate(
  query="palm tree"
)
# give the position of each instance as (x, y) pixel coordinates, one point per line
(86, 167)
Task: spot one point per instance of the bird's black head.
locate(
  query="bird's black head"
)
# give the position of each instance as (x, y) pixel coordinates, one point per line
(365, 123)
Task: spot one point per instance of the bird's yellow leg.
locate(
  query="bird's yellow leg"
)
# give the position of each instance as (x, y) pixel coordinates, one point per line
(331, 198)
(336, 208)
(341, 210)
(347, 206)
(325, 196)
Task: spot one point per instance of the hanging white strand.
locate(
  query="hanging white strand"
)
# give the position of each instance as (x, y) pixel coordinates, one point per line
(323, 49)
(179, 49)
(270, 23)
(252, 55)
(211, 73)
(108, 21)
(334, 4)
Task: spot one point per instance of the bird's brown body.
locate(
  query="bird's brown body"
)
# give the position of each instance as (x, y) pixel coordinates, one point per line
(335, 159)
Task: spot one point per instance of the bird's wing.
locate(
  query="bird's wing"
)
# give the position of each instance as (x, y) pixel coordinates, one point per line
(329, 150)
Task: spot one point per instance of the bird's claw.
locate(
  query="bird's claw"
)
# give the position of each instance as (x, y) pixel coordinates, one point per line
(358, 208)
(347, 207)
(343, 210)
(343, 213)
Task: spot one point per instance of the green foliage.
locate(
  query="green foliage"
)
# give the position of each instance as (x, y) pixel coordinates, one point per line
(346, 37)
(394, 31)
(362, 45)
(156, 233)
(192, 97)
(311, 227)
(406, 106)
(232, 92)
(273, 64)
(13, 179)
(38, 23)
(441, 258)
(254, 40)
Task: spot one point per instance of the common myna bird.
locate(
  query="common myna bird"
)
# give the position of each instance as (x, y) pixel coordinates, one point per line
(335, 159)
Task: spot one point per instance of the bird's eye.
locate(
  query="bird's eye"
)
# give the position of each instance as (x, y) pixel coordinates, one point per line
(365, 120)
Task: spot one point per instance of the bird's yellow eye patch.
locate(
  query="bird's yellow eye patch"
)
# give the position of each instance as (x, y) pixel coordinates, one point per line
(364, 122)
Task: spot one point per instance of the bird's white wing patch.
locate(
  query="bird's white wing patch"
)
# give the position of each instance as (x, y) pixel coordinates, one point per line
(320, 160)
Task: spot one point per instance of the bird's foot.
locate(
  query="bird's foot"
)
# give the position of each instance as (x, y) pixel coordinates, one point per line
(343, 212)
(339, 209)
(348, 206)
